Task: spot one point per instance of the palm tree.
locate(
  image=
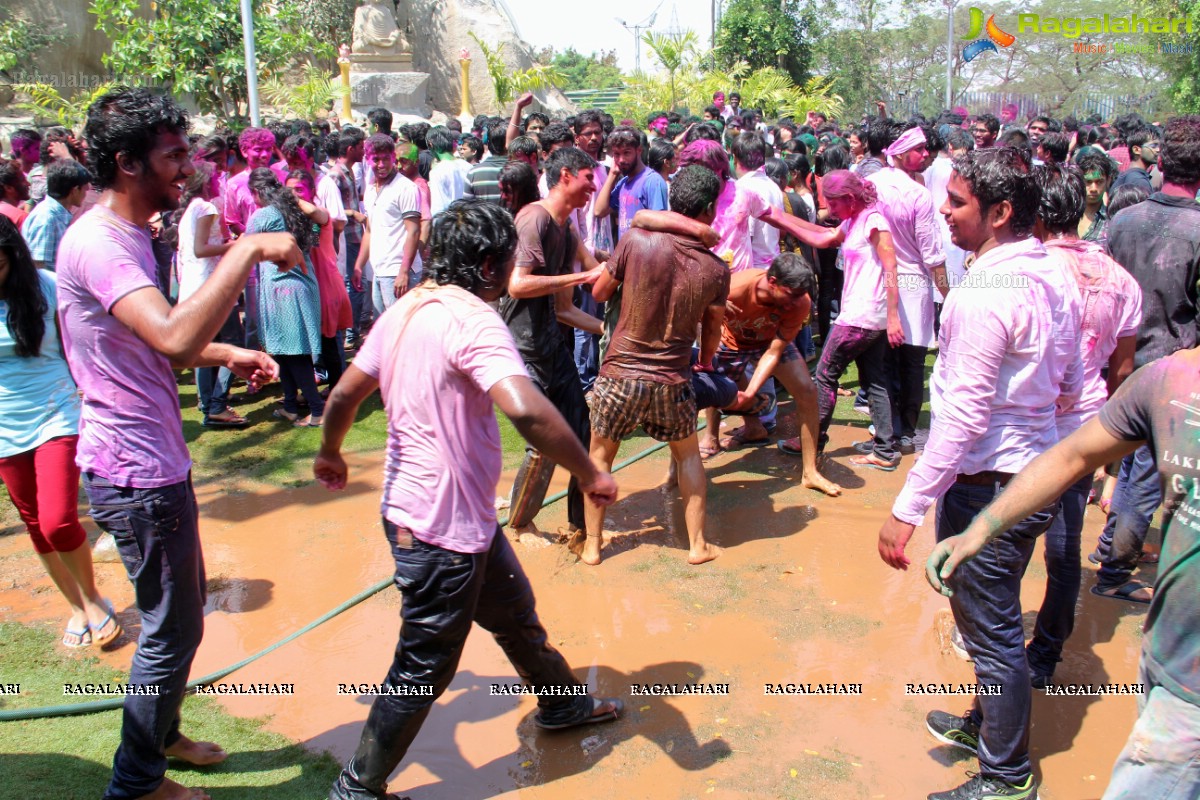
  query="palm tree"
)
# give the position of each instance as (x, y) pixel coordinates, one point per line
(671, 50)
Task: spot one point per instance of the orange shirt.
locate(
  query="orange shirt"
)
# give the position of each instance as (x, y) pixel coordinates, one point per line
(755, 326)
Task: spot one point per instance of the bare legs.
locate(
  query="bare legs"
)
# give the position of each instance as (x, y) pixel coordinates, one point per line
(685, 453)
(72, 573)
(795, 378)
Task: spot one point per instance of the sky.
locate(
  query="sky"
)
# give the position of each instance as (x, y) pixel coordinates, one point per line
(543, 23)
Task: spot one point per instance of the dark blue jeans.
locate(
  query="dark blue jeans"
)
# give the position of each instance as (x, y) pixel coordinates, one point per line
(444, 593)
(1137, 496)
(987, 610)
(157, 535)
(587, 345)
(356, 295)
(867, 349)
(1056, 618)
(212, 383)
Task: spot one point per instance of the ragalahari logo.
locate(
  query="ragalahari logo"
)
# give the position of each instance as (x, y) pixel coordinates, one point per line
(995, 36)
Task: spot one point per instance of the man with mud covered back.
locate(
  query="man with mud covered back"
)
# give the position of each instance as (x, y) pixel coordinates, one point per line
(453, 565)
(1009, 353)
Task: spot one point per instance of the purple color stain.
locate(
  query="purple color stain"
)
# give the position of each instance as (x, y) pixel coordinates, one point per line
(975, 48)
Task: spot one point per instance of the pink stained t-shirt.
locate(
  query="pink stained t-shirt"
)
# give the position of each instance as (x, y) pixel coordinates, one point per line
(131, 431)
(736, 208)
(1111, 309)
(864, 299)
(239, 202)
(1001, 369)
(443, 448)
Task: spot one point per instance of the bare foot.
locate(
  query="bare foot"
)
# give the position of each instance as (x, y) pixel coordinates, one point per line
(709, 447)
(200, 754)
(591, 550)
(170, 790)
(704, 554)
(821, 484)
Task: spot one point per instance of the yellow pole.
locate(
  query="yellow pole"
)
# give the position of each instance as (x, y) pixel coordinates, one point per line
(344, 66)
(465, 60)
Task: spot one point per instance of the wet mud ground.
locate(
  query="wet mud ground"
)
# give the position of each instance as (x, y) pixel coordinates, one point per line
(799, 596)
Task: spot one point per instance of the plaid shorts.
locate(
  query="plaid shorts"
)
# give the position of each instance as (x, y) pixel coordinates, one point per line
(667, 411)
(738, 364)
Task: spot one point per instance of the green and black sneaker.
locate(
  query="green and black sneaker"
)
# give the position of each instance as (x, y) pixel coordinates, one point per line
(982, 788)
(955, 731)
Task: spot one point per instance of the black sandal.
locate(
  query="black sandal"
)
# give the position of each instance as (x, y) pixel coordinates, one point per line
(617, 706)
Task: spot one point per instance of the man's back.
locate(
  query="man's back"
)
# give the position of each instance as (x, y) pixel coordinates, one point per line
(483, 181)
(1158, 242)
(668, 283)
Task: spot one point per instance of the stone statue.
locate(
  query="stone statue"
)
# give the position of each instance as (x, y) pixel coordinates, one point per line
(376, 31)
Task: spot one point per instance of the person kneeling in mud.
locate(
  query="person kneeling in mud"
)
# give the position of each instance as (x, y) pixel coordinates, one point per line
(766, 309)
(453, 565)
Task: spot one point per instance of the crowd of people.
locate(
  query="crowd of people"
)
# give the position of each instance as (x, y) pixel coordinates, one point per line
(592, 277)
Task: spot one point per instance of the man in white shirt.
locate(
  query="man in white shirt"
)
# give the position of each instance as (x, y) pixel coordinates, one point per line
(448, 176)
(749, 160)
(392, 237)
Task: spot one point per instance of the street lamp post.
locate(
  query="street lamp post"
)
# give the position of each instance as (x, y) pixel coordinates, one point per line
(251, 60)
(950, 4)
(636, 30)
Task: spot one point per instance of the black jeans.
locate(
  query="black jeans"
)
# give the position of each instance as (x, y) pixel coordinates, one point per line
(444, 593)
(1056, 618)
(867, 349)
(157, 535)
(987, 610)
(566, 393)
(829, 295)
(906, 365)
(296, 374)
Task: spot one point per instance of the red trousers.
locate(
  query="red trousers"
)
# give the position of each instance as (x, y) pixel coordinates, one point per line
(44, 486)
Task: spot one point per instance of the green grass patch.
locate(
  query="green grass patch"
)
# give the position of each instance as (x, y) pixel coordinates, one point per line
(71, 757)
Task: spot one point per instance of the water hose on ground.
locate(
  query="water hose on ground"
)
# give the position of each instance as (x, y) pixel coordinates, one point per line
(109, 704)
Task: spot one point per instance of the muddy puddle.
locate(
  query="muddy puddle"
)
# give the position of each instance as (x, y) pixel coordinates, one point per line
(800, 596)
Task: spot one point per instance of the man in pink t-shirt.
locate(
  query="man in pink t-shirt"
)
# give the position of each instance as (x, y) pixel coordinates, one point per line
(122, 339)
(1000, 371)
(257, 146)
(441, 357)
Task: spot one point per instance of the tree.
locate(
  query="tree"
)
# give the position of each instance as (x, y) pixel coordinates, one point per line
(507, 84)
(767, 33)
(195, 46)
(672, 50)
(20, 41)
(598, 70)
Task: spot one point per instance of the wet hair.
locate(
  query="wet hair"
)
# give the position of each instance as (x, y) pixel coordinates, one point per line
(1096, 161)
(661, 151)
(777, 170)
(996, 174)
(1139, 138)
(960, 140)
(128, 121)
(381, 118)
(706, 153)
(1055, 146)
(705, 130)
(656, 115)
(1125, 196)
(495, 136)
(1061, 189)
(674, 129)
(479, 123)
(294, 144)
(10, 175)
(792, 271)
(933, 139)
(844, 183)
(749, 150)
(1014, 137)
(280, 131)
(1180, 152)
(27, 305)
(572, 159)
(694, 191)
(538, 117)
(523, 147)
(713, 111)
(881, 133)
(464, 237)
(520, 184)
(587, 117)
(23, 138)
(380, 143)
(254, 136)
(555, 133)
(833, 159)
(57, 135)
(346, 141)
(440, 140)
(211, 147)
(473, 143)
(270, 192)
(416, 132)
(624, 136)
(65, 176)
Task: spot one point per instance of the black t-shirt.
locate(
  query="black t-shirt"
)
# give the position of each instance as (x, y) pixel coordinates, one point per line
(1160, 405)
(547, 248)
